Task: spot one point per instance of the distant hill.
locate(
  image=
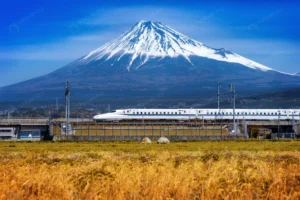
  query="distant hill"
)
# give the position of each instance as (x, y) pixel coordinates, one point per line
(279, 99)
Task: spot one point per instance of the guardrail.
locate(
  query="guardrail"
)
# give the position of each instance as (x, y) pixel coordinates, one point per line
(24, 121)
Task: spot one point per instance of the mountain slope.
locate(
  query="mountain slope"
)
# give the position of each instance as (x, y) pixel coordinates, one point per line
(153, 39)
(152, 60)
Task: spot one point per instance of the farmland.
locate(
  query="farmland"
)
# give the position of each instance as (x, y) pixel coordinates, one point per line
(130, 170)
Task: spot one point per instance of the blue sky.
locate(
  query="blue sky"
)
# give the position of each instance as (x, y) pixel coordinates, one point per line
(38, 37)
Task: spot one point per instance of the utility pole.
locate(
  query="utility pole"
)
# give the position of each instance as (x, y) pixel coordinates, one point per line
(232, 89)
(218, 95)
(67, 95)
(232, 92)
(278, 122)
(7, 116)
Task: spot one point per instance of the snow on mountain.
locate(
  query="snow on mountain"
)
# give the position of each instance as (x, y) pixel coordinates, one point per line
(148, 40)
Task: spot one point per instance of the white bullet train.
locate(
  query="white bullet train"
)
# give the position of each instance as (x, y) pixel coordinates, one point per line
(206, 114)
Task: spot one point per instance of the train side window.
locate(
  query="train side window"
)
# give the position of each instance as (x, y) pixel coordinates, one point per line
(134, 113)
(164, 113)
(175, 113)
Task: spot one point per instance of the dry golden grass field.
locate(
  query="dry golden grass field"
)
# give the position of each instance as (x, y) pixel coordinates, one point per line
(130, 170)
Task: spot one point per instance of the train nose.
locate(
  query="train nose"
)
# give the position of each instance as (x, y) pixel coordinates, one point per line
(100, 117)
(107, 116)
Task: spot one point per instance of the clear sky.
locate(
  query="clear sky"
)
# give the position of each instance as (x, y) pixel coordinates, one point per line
(37, 37)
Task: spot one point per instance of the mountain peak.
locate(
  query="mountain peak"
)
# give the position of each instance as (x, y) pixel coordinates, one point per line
(147, 40)
(147, 23)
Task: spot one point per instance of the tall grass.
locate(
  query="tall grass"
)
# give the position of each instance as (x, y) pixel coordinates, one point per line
(195, 170)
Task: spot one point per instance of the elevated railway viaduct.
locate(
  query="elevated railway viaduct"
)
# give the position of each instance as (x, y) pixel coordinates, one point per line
(87, 129)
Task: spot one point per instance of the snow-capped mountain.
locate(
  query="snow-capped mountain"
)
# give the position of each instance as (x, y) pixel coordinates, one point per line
(147, 40)
(152, 60)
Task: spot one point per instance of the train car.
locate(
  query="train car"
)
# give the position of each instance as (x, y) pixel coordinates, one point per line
(7, 132)
(206, 114)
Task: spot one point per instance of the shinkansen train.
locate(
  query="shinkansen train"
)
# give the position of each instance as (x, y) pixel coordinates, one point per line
(206, 114)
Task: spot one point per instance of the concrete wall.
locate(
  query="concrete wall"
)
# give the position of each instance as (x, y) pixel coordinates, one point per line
(153, 138)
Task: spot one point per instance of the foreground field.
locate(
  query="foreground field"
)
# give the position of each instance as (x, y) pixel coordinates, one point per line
(195, 170)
